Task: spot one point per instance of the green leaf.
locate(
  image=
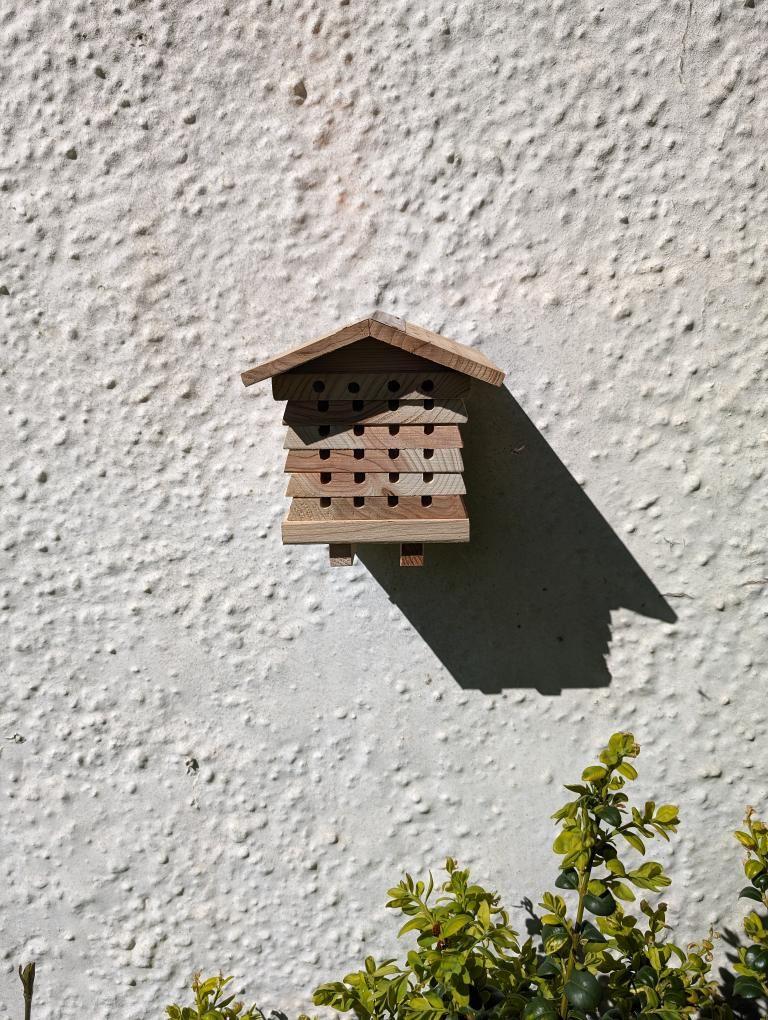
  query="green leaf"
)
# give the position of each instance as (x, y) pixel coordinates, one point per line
(540, 1008)
(594, 773)
(454, 925)
(415, 924)
(627, 770)
(602, 906)
(634, 841)
(622, 891)
(610, 814)
(568, 879)
(667, 814)
(567, 842)
(583, 990)
(747, 988)
(749, 893)
(484, 915)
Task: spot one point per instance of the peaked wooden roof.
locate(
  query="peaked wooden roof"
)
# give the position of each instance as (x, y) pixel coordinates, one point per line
(390, 330)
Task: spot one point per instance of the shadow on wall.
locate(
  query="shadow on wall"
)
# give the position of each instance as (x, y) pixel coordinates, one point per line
(526, 604)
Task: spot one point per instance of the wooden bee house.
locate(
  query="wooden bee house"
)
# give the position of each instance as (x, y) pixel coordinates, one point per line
(374, 443)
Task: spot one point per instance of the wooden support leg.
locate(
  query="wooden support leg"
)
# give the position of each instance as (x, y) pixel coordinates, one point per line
(342, 554)
(411, 554)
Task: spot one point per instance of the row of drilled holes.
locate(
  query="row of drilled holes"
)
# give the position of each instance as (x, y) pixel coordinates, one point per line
(359, 430)
(325, 501)
(393, 386)
(357, 405)
(360, 454)
(359, 477)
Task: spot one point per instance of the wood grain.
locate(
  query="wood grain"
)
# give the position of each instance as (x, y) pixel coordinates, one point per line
(340, 483)
(369, 386)
(341, 554)
(411, 554)
(444, 521)
(398, 333)
(373, 460)
(373, 437)
(440, 349)
(298, 355)
(375, 412)
(368, 355)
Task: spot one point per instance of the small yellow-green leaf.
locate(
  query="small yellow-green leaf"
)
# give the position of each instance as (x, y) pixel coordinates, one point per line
(567, 842)
(667, 813)
(594, 773)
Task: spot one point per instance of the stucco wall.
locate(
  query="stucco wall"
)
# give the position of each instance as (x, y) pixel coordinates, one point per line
(218, 752)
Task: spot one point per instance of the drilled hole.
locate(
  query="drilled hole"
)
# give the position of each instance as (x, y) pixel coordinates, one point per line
(325, 477)
(393, 404)
(428, 385)
(324, 430)
(318, 385)
(354, 387)
(325, 454)
(393, 385)
(428, 430)
(429, 454)
(358, 500)
(359, 430)
(322, 405)
(325, 501)
(358, 454)
(394, 476)
(394, 429)
(359, 477)
(426, 501)
(393, 454)
(357, 405)
(428, 405)
(392, 500)
(427, 477)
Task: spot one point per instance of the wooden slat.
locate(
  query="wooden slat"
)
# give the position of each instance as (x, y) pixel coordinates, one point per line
(341, 554)
(441, 349)
(391, 330)
(370, 386)
(341, 483)
(444, 521)
(368, 355)
(304, 352)
(411, 554)
(373, 437)
(375, 412)
(373, 460)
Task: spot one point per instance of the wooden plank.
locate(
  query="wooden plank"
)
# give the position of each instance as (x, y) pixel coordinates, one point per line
(445, 520)
(426, 344)
(375, 412)
(369, 386)
(342, 483)
(341, 554)
(373, 437)
(393, 459)
(298, 355)
(411, 554)
(368, 355)
(415, 340)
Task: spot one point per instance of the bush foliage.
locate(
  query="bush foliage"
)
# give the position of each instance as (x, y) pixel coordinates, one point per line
(603, 949)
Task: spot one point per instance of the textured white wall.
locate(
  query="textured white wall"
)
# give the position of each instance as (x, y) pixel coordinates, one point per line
(579, 189)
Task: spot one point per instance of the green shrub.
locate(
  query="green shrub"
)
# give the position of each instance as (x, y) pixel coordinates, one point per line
(211, 1003)
(752, 966)
(592, 957)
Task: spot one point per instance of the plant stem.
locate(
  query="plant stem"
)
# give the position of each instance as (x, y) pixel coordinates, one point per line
(27, 975)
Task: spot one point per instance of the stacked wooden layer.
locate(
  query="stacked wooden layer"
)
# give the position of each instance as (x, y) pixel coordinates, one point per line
(374, 451)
